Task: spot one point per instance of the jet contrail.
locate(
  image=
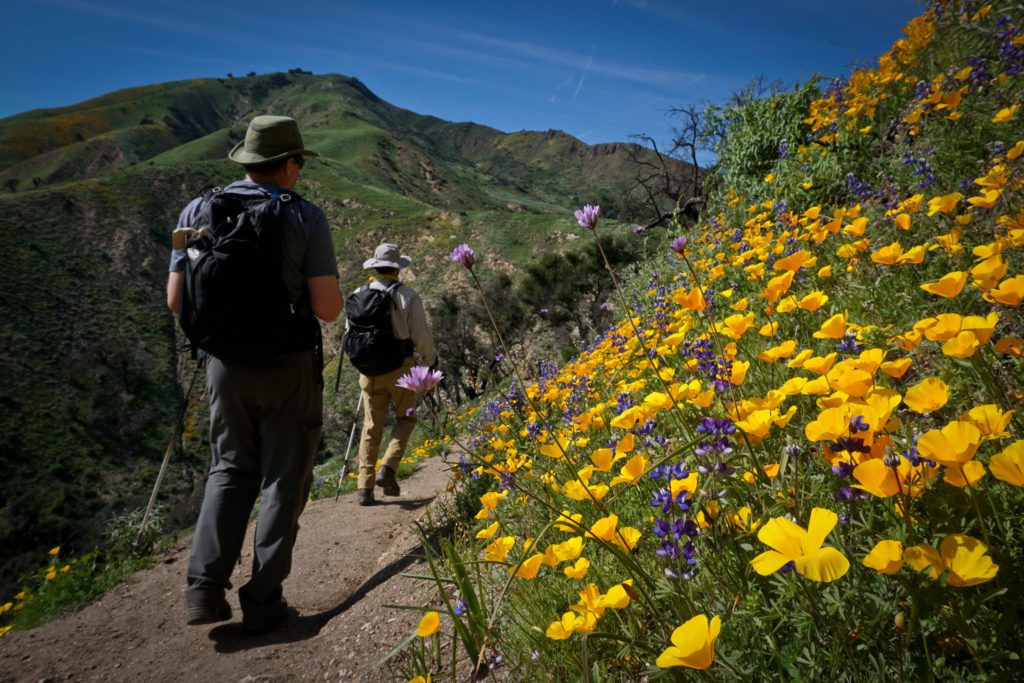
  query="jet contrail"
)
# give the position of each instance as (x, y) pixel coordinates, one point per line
(590, 59)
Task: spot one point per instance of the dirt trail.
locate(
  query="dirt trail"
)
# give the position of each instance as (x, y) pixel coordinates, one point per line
(347, 566)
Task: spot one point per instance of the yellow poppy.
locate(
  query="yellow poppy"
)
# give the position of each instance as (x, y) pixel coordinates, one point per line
(888, 255)
(604, 458)
(990, 420)
(987, 273)
(689, 484)
(488, 532)
(963, 345)
(886, 557)
(883, 481)
(833, 328)
(944, 204)
(927, 396)
(792, 543)
(913, 256)
(581, 491)
(579, 569)
(617, 596)
(777, 286)
(794, 261)
(1005, 115)
(626, 443)
(896, 368)
(829, 425)
(569, 522)
(571, 623)
(948, 286)
(528, 568)
(1008, 465)
(784, 350)
(986, 200)
(628, 418)
(735, 326)
(491, 499)
(966, 560)
(693, 644)
(429, 624)
(1010, 346)
(568, 550)
(756, 425)
(954, 444)
(631, 471)
(498, 549)
(967, 475)
(813, 301)
(1009, 292)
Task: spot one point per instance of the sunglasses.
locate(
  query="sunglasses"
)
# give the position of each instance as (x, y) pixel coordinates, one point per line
(300, 160)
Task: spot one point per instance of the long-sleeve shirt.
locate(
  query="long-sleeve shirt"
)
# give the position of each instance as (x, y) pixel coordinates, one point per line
(408, 318)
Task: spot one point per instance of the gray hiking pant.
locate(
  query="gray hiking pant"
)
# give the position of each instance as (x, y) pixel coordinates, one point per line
(265, 426)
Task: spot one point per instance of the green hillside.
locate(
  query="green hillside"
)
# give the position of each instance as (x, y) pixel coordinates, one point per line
(90, 376)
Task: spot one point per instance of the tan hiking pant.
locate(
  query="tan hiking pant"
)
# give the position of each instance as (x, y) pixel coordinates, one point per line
(379, 394)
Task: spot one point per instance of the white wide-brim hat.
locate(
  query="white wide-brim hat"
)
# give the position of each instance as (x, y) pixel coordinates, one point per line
(387, 256)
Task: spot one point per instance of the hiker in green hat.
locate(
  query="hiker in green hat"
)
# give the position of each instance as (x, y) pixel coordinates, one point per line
(266, 402)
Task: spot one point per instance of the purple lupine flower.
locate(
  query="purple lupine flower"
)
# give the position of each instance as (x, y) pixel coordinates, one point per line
(661, 527)
(784, 148)
(857, 424)
(678, 245)
(464, 255)
(420, 379)
(588, 216)
(843, 469)
(662, 498)
(668, 549)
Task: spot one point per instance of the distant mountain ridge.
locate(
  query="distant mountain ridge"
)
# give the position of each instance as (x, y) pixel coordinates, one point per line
(90, 376)
(194, 120)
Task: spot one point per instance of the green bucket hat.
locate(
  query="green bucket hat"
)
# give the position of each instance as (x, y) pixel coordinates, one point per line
(270, 138)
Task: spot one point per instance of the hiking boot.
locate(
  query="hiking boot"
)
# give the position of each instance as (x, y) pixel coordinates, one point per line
(206, 607)
(266, 619)
(387, 482)
(364, 496)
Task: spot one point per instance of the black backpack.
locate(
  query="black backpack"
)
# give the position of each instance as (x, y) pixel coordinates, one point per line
(235, 305)
(370, 341)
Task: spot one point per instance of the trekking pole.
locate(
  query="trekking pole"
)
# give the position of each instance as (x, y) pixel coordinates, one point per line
(171, 447)
(351, 435)
(337, 375)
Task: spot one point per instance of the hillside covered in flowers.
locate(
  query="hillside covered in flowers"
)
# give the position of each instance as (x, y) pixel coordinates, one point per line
(800, 453)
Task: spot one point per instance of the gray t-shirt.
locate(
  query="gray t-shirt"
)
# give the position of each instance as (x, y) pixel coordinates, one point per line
(307, 247)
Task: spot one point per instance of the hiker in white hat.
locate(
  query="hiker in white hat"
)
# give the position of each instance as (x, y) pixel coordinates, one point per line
(386, 328)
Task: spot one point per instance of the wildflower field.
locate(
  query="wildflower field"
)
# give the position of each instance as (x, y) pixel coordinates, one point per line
(799, 454)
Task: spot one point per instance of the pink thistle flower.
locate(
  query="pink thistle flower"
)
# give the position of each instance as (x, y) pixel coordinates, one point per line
(420, 379)
(464, 255)
(588, 216)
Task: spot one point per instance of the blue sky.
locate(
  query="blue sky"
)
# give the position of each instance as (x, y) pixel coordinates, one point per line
(601, 70)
